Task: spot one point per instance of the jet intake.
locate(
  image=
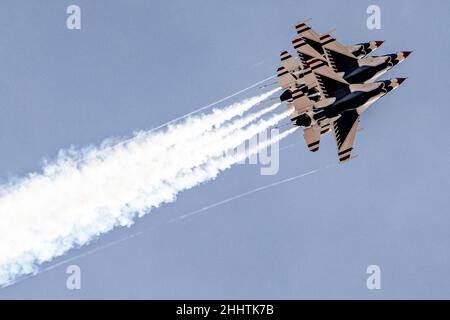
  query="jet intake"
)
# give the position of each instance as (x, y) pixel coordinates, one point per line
(302, 120)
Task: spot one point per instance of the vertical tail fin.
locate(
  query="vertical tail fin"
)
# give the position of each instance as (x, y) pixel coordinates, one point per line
(285, 78)
(310, 36)
(312, 137)
(341, 59)
(303, 28)
(328, 42)
(305, 51)
(289, 63)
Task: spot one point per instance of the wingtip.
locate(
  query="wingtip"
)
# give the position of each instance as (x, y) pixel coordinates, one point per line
(301, 23)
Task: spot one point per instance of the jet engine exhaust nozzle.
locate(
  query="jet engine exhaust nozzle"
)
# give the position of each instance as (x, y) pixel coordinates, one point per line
(303, 120)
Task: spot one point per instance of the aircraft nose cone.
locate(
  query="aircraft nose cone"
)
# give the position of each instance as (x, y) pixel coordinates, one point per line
(400, 80)
(379, 43)
(406, 53)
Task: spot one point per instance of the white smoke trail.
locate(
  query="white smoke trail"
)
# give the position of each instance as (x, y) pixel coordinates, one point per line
(69, 204)
(173, 176)
(213, 104)
(214, 166)
(175, 133)
(213, 173)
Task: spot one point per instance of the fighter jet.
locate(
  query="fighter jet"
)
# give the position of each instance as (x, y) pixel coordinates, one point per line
(352, 69)
(331, 85)
(316, 41)
(339, 108)
(299, 77)
(292, 75)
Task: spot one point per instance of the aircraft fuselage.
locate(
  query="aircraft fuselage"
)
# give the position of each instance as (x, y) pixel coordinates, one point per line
(354, 100)
(367, 73)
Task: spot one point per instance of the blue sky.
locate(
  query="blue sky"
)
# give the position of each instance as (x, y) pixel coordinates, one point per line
(137, 64)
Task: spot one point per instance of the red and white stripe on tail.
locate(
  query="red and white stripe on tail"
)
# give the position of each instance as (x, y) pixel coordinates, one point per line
(289, 63)
(305, 51)
(305, 31)
(312, 137)
(285, 78)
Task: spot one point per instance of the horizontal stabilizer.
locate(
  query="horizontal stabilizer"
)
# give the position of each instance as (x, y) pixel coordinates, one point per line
(312, 137)
(289, 63)
(285, 78)
(305, 51)
(344, 129)
(310, 36)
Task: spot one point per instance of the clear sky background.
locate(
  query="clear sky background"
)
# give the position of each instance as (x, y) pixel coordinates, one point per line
(137, 64)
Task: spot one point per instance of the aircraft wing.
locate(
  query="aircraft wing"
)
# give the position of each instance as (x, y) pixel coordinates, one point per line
(340, 58)
(310, 36)
(285, 78)
(305, 51)
(312, 134)
(289, 63)
(312, 137)
(344, 130)
(331, 84)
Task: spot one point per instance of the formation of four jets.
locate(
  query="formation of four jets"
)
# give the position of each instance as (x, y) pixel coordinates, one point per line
(330, 85)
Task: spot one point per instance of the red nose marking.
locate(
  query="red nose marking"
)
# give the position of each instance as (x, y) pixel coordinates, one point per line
(400, 80)
(406, 53)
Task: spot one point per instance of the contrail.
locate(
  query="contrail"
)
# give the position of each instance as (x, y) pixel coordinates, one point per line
(219, 161)
(190, 214)
(213, 103)
(290, 146)
(79, 256)
(202, 161)
(247, 193)
(72, 202)
(196, 152)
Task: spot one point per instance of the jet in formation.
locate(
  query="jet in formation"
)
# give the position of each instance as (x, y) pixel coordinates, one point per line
(330, 85)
